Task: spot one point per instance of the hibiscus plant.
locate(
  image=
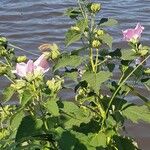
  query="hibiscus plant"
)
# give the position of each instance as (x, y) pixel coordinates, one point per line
(34, 111)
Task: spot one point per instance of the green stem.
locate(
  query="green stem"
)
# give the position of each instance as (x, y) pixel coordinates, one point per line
(96, 61)
(91, 60)
(102, 62)
(121, 84)
(9, 78)
(23, 49)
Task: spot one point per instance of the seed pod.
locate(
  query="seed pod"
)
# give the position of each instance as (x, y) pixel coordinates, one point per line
(96, 44)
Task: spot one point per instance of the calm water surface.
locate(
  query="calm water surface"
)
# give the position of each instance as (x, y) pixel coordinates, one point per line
(30, 23)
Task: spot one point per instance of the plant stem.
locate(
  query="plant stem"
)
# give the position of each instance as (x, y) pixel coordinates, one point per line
(121, 84)
(9, 78)
(91, 60)
(23, 49)
(96, 61)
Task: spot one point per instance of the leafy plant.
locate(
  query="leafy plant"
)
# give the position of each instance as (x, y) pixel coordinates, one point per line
(94, 117)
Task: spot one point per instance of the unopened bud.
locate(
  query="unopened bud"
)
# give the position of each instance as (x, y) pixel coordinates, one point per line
(100, 32)
(52, 51)
(3, 42)
(96, 44)
(75, 28)
(3, 51)
(3, 70)
(21, 59)
(95, 7)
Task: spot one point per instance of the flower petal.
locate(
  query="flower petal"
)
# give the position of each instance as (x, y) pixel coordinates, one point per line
(42, 62)
(30, 67)
(21, 69)
(130, 34)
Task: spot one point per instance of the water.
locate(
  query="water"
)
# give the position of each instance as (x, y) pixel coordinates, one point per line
(31, 23)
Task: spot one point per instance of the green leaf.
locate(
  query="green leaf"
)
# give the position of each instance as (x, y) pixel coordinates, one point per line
(72, 36)
(75, 35)
(82, 24)
(29, 127)
(96, 79)
(26, 96)
(128, 54)
(98, 139)
(137, 113)
(72, 13)
(16, 119)
(52, 107)
(78, 50)
(8, 93)
(107, 39)
(84, 139)
(75, 115)
(69, 142)
(71, 75)
(68, 60)
(107, 22)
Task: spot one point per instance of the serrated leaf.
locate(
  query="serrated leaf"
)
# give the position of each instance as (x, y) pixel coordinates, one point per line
(72, 36)
(28, 127)
(75, 115)
(98, 139)
(16, 119)
(71, 75)
(128, 54)
(72, 13)
(68, 141)
(107, 22)
(96, 79)
(68, 60)
(82, 24)
(75, 35)
(8, 93)
(107, 39)
(137, 113)
(26, 96)
(52, 107)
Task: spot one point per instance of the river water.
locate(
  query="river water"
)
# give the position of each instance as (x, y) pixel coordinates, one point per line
(31, 23)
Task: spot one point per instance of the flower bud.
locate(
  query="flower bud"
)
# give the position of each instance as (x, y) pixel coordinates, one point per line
(100, 32)
(3, 42)
(75, 28)
(3, 51)
(96, 44)
(55, 84)
(21, 59)
(95, 7)
(3, 70)
(19, 84)
(53, 52)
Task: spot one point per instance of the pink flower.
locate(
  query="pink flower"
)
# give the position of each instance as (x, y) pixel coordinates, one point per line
(133, 34)
(40, 65)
